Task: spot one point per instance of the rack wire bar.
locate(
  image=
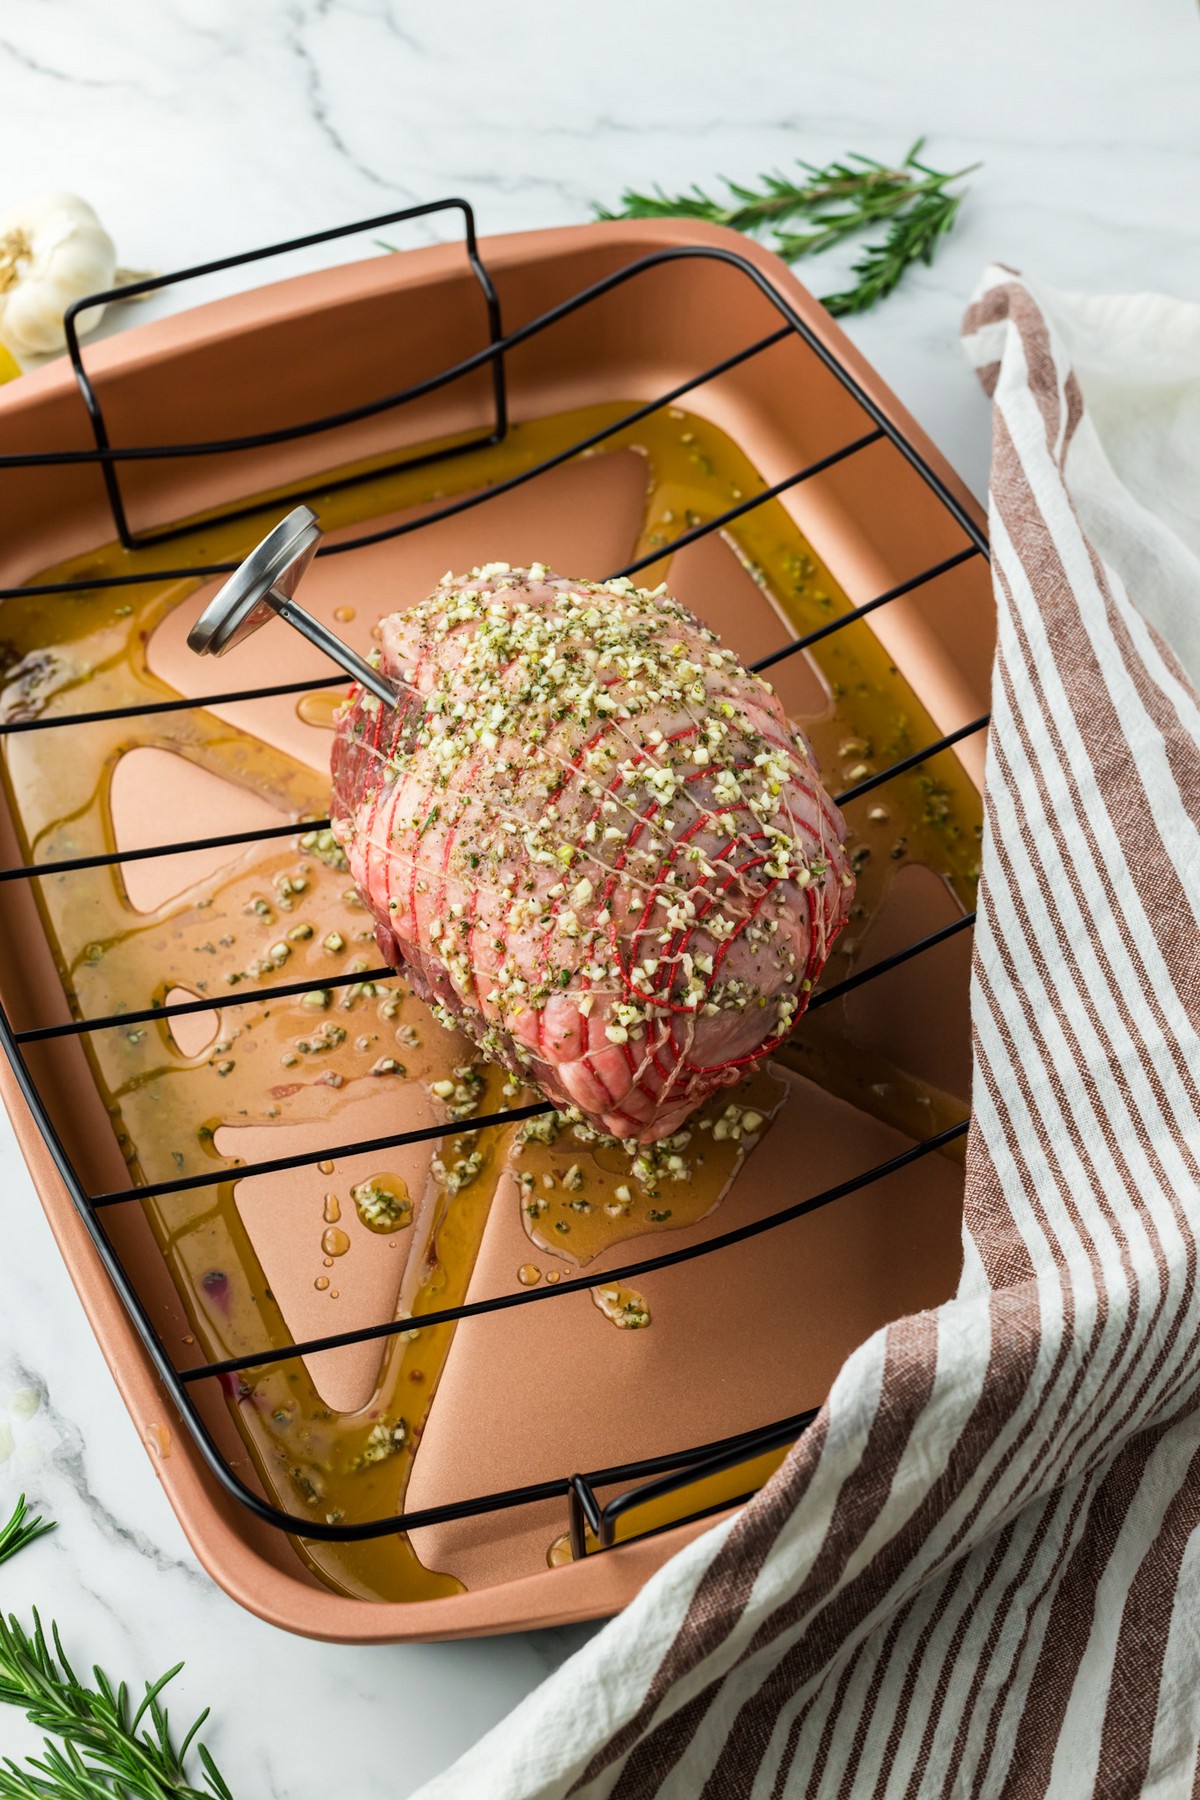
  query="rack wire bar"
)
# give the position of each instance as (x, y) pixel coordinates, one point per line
(450, 1315)
(659, 1475)
(148, 1015)
(303, 1159)
(585, 1508)
(861, 612)
(55, 721)
(225, 840)
(946, 742)
(745, 506)
(823, 996)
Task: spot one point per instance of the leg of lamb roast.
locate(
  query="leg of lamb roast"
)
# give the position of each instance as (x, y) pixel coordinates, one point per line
(591, 839)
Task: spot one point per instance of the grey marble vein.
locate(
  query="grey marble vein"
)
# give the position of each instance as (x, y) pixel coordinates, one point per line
(318, 106)
(34, 65)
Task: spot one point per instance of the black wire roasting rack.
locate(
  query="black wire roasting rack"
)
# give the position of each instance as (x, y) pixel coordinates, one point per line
(654, 1477)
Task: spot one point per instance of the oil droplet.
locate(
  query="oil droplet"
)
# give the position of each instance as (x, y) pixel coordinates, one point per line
(321, 1283)
(343, 614)
(529, 1275)
(334, 1241)
(24, 1403)
(333, 1293)
(382, 1203)
(333, 1209)
(627, 1310)
(559, 1552)
(321, 708)
(326, 1168)
(158, 1437)
(553, 1275)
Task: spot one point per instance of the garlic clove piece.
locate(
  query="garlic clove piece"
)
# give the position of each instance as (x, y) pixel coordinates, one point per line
(53, 251)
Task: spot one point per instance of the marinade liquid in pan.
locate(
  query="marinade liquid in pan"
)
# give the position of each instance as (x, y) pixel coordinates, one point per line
(283, 910)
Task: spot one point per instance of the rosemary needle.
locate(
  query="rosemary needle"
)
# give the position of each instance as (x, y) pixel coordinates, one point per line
(916, 205)
(110, 1749)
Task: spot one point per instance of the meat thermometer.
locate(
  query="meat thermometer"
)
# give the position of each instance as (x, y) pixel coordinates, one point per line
(263, 586)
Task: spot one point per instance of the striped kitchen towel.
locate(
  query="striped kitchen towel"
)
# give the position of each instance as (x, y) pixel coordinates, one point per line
(979, 1571)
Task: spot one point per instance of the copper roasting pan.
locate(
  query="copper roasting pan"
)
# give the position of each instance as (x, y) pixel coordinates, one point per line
(746, 1335)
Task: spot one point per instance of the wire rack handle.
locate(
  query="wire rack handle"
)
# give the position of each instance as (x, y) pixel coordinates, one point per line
(150, 284)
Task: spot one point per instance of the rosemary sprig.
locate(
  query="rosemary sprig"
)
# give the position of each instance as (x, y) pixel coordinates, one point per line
(110, 1750)
(839, 200)
(21, 1530)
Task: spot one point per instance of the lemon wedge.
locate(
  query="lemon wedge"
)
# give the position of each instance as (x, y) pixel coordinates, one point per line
(10, 368)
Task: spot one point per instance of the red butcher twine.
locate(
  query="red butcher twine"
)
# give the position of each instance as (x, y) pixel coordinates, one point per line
(591, 839)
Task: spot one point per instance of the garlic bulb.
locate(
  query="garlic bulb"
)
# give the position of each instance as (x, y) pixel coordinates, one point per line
(53, 250)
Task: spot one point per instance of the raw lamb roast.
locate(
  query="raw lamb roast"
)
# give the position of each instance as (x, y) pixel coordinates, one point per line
(591, 839)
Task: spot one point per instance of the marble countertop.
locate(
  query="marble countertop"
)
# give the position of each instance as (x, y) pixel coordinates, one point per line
(200, 127)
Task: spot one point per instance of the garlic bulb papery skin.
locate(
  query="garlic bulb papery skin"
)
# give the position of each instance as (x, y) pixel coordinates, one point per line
(53, 250)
